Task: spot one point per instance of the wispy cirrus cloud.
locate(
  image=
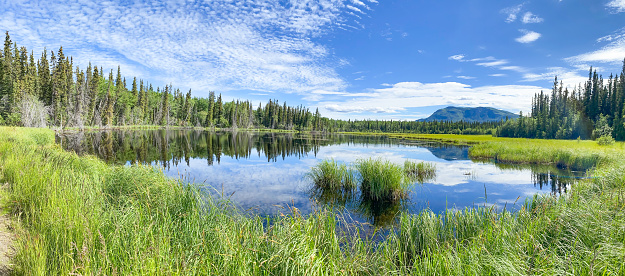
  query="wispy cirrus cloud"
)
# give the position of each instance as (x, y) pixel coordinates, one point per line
(490, 61)
(617, 5)
(570, 77)
(512, 12)
(612, 52)
(265, 45)
(399, 97)
(465, 77)
(529, 18)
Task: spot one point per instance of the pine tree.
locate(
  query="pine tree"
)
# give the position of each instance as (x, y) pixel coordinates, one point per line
(211, 109)
(219, 111)
(134, 91)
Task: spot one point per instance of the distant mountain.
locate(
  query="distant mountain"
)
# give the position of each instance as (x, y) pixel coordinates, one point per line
(469, 114)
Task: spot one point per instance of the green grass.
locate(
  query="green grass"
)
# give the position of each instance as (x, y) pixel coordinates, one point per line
(381, 179)
(81, 216)
(329, 174)
(419, 172)
(574, 154)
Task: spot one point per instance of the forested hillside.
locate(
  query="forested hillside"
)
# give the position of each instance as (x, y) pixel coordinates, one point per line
(469, 114)
(51, 91)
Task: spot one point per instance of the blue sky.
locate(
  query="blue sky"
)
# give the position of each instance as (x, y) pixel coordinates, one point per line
(353, 59)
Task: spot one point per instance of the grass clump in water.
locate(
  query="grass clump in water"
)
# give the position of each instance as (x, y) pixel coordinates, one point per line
(420, 172)
(381, 179)
(329, 174)
(82, 216)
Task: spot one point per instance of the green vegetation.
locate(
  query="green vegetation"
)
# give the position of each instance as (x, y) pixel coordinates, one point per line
(50, 91)
(574, 154)
(419, 172)
(328, 174)
(80, 215)
(383, 185)
(591, 110)
(381, 179)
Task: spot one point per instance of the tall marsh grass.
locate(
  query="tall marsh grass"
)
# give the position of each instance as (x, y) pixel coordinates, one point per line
(79, 216)
(381, 179)
(329, 174)
(420, 172)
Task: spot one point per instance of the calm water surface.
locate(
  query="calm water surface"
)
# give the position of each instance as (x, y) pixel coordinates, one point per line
(265, 173)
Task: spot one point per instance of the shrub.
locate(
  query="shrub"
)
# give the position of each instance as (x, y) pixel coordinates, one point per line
(605, 140)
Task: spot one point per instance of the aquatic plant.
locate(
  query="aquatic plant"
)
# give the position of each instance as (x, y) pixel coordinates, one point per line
(381, 179)
(420, 172)
(329, 174)
(78, 215)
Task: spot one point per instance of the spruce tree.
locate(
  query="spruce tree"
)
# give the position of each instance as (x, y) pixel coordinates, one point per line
(165, 106)
(6, 87)
(210, 109)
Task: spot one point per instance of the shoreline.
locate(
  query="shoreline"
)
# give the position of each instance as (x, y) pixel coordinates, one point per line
(81, 215)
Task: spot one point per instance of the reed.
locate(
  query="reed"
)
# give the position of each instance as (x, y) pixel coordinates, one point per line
(78, 215)
(381, 179)
(420, 172)
(329, 174)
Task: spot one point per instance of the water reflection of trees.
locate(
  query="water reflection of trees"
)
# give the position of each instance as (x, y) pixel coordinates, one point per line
(547, 177)
(172, 147)
(559, 184)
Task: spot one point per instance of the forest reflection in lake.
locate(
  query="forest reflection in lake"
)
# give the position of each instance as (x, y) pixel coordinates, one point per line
(265, 173)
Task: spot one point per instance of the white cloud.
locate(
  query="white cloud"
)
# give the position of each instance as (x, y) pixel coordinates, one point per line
(513, 68)
(465, 77)
(456, 57)
(404, 95)
(617, 5)
(529, 17)
(490, 61)
(512, 12)
(614, 52)
(528, 37)
(497, 75)
(214, 45)
(570, 78)
(493, 63)
(489, 58)
(359, 109)
(612, 37)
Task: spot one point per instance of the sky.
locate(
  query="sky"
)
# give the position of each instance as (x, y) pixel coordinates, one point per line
(353, 59)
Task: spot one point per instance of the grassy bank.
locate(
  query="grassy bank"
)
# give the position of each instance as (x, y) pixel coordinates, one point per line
(79, 215)
(574, 154)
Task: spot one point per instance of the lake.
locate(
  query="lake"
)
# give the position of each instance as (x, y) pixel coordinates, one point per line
(266, 173)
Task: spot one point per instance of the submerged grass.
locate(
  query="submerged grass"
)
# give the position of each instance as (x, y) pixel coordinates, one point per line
(81, 216)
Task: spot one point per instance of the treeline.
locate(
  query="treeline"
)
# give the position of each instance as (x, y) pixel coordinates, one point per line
(592, 110)
(51, 91)
(435, 127)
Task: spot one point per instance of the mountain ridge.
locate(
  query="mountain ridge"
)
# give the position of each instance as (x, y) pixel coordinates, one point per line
(469, 114)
